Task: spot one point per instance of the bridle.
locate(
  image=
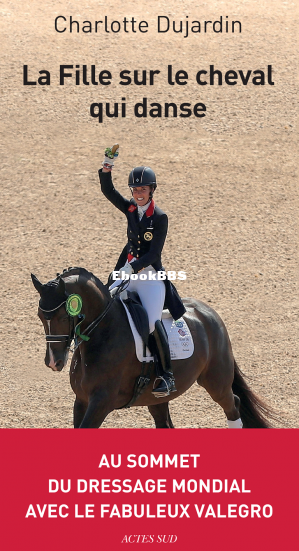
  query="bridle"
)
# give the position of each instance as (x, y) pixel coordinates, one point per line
(74, 332)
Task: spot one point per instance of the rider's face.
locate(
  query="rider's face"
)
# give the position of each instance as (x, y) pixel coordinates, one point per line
(141, 195)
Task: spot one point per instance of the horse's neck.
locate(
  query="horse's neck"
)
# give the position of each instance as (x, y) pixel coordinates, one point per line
(96, 299)
(94, 295)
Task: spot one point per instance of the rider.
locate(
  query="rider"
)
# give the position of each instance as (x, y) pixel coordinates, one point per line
(147, 229)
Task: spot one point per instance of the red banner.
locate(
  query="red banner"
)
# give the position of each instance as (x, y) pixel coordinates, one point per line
(64, 489)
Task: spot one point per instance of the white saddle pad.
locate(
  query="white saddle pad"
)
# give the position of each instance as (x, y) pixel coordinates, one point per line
(180, 339)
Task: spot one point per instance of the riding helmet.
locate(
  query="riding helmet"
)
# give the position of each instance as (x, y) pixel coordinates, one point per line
(142, 176)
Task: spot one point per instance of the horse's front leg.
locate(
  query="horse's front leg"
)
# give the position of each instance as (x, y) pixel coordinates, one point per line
(161, 415)
(79, 412)
(98, 408)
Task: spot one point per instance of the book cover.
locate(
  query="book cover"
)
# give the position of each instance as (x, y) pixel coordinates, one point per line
(205, 95)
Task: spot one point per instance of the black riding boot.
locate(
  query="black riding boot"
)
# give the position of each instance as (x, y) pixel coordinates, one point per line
(159, 342)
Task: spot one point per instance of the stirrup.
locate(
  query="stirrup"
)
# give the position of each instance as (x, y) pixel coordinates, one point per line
(165, 387)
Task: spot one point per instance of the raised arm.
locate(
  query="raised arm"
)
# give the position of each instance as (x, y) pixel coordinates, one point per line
(107, 186)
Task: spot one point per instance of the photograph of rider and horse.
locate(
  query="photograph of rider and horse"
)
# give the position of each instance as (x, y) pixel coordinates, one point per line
(196, 217)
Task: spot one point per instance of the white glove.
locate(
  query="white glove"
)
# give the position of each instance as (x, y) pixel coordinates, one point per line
(126, 271)
(113, 291)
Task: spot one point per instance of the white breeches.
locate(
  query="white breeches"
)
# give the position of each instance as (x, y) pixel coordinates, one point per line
(151, 293)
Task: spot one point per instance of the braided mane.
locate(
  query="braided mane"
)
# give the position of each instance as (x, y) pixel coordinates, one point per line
(86, 275)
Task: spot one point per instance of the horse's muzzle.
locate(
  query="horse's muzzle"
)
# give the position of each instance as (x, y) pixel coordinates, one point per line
(56, 361)
(58, 366)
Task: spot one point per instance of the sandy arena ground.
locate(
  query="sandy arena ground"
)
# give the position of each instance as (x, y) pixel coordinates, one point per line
(227, 182)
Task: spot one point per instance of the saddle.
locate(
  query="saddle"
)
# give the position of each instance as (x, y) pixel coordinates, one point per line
(180, 340)
(138, 313)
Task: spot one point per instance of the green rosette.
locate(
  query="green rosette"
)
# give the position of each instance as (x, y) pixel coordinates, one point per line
(74, 305)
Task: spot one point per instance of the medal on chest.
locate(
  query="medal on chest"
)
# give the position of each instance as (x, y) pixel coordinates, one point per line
(148, 236)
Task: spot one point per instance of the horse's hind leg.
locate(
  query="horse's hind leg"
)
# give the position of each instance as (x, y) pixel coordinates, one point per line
(221, 392)
(230, 404)
(161, 415)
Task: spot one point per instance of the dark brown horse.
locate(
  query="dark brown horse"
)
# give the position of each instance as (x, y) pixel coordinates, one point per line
(104, 367)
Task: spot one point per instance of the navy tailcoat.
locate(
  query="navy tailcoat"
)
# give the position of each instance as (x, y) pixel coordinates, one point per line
(146, 239)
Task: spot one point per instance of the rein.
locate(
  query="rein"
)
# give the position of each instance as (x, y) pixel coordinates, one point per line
(74, 330)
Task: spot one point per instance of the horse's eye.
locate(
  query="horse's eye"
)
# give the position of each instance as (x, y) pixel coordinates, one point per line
(64, 318)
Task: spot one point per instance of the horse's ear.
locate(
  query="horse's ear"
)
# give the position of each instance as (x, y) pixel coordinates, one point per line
(37, 284)
(61, 286)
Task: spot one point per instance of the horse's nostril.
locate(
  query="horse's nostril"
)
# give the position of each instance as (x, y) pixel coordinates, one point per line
(59, 364)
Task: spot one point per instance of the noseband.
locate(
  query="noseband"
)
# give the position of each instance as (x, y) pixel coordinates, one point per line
(60, 338)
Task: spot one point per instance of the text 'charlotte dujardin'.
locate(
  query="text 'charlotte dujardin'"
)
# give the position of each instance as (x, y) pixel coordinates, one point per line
(131, 25)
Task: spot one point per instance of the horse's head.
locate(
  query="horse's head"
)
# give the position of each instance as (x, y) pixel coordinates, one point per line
(57, 323)
(65, 313)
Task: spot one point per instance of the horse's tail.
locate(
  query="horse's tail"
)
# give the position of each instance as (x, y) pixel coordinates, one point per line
(253, 411)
